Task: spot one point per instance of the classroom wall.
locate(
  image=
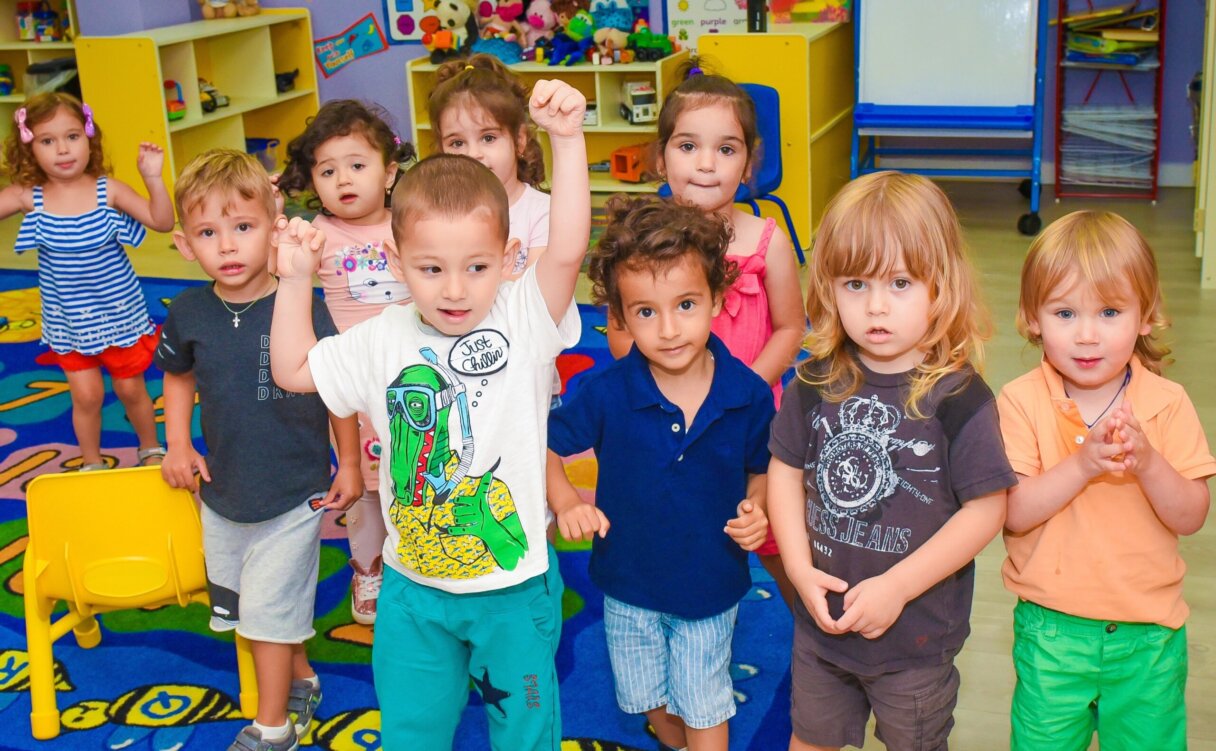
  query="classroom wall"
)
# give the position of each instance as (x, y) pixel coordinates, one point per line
(382, 77)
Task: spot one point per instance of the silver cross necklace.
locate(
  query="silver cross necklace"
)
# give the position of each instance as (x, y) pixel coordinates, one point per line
(236, 314)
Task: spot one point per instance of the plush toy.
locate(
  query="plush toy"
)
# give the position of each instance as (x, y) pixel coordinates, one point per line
(448, 29)
(499, 19)
(565, 10)
(218, 8)
(572, 44)
(247, 8)
(613, 22)
(540, 23)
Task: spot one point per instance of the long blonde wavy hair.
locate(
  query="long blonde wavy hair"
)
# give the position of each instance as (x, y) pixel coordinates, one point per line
(873, 224)
(1104, 250)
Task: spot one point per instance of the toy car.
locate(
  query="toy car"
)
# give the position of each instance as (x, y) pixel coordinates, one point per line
(209, 97)
(639, 102)
(175, 106)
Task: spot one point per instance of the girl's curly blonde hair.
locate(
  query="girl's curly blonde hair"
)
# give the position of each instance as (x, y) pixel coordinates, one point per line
(19, 162)
(1104, 250)
(872, 225)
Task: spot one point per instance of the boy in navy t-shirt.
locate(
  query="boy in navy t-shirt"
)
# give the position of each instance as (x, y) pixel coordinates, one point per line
(680, 429)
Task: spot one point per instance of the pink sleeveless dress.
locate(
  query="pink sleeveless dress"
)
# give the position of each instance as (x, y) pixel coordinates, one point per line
(745, 324)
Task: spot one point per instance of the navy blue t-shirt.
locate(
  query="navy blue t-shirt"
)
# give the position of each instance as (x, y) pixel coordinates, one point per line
(667, 488)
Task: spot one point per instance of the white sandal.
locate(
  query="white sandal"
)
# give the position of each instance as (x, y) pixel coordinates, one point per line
(92, 467)
(143, 455)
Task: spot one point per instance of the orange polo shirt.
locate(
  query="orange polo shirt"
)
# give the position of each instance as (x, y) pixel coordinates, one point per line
(1106, 555)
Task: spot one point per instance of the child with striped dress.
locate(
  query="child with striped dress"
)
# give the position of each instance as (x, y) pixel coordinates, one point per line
(78, 219)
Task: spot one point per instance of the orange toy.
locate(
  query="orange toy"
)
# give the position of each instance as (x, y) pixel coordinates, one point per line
(626, 163)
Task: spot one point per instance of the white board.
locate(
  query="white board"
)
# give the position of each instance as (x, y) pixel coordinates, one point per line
(953, 53)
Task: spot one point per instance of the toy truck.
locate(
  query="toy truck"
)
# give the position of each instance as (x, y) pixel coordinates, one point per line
(639, 102)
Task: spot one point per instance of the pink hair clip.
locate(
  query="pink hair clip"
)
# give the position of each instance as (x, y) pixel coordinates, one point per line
(396, 141)
(90, 129)
(27, 135)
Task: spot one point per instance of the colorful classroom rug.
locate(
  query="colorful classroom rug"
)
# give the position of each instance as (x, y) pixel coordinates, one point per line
(160, 681)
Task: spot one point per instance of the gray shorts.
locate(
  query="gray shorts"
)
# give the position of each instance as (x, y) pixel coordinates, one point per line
(829, 706)
(262, 577)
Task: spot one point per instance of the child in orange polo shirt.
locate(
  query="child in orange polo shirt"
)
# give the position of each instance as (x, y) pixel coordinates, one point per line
(1112, 464)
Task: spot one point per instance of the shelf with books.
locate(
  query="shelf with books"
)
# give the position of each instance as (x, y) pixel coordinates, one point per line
(1111, 55)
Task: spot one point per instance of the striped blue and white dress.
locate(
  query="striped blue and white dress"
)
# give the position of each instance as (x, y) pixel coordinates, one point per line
(91, 299)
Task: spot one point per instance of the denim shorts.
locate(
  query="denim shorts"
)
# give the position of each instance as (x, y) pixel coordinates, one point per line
(659, 659)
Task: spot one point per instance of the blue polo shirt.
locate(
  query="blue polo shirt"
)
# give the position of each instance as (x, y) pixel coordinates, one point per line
(667, 488)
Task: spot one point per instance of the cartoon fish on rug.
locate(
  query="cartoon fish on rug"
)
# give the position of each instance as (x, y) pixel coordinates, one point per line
(15, 676)
(353, 730)
(20, 316)
(166, 712)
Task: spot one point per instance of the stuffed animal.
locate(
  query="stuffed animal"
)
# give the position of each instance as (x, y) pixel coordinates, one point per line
(218, 8)
(499, 19)
(572, 44)
(613, 22)
(247, 8)
(565, 10)
(448, 29)
(540, 23)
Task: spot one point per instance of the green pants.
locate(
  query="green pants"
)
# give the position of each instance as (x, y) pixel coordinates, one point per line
(1076, 675)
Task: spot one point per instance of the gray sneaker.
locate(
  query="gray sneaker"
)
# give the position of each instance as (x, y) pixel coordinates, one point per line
(250, 739)
(302, 703)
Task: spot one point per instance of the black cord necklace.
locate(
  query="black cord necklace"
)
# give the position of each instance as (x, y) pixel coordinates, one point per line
(1127, 376)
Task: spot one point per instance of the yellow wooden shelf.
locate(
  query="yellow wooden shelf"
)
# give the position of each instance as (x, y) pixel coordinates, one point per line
(236, 106)
(601, 84)
(217, 27)
(238, 56)
(602, 183)
(19, 54)
(9, 44)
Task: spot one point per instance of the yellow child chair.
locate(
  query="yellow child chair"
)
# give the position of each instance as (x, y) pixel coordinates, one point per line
(102, 541)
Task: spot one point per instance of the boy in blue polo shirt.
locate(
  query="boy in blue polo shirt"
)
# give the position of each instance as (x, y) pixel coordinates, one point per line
(680, 429)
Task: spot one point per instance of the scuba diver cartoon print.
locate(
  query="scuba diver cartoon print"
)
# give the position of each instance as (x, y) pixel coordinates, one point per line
(452, 526)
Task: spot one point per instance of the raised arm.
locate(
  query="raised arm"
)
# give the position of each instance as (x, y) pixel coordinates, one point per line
(558, 108)
(155, 211)
(295, 260)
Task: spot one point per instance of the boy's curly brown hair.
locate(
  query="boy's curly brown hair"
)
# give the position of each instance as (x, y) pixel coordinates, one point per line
(19, 162)
(652, 234)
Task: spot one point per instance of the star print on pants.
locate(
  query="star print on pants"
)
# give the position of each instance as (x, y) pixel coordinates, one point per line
(490, 694)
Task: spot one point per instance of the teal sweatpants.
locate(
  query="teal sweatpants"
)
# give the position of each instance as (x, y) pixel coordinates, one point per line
(1076, 675)
(430, 643)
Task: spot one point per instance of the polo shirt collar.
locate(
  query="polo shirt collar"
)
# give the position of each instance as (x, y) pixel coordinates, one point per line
(723, 391)
(1146, 394)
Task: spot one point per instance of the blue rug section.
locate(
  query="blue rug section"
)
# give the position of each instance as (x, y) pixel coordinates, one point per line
(160, 681)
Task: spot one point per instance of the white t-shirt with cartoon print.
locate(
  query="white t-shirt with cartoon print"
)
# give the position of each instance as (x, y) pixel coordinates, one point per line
(463, 423)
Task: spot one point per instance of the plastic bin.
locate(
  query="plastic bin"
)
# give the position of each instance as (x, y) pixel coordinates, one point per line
(264, 150)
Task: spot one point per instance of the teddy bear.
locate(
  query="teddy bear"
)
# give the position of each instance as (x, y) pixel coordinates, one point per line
(229, 8)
